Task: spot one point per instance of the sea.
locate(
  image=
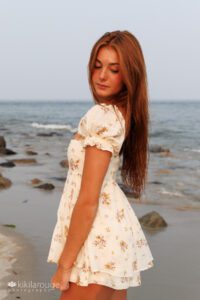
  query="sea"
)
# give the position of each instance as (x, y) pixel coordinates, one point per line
(46, 127)
(174, 125)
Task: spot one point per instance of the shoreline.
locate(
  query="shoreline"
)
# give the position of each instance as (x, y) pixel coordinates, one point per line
(20, 261)
(17, 257)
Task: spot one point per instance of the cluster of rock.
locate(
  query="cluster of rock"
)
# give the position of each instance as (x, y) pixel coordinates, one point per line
(151, 220)
(3, 149)
(5, 182)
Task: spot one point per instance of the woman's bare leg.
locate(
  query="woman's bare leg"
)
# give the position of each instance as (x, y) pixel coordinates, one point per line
(119, 295)
(90, 292)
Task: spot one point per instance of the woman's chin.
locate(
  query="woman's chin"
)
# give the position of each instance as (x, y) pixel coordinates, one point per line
(103, 94)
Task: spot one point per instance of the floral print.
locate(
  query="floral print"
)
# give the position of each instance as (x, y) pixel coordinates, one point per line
(120, 215)
(105, 198)
(116, 249)
(110, 265)
(100, 242)
(123, 246)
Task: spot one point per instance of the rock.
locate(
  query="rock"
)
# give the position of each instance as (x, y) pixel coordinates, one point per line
(153, 220)
(30, 152)
(128, 191)
(58, 178)
(25, 161)
(46, 186)
(10, 152)
(5, 182)
(36, 181)
(158, 149)
(25, 201)
(45, 134)
(2, 143)
(3, 149)
(7, 164)
(64, 163)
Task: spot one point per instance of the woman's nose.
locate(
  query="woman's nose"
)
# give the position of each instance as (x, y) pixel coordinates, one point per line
(103, 74)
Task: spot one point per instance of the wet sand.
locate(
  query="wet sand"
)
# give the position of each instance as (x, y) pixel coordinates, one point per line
(175, 275)
(17, 262)
(176, 271)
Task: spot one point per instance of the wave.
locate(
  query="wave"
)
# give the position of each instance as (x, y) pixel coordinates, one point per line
(54, 126)
(164, 191)
(195, 150)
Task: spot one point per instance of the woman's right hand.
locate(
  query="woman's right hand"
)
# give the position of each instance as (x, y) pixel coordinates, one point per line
(60, 279)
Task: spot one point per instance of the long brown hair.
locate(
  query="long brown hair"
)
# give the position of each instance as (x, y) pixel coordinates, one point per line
(134, 98)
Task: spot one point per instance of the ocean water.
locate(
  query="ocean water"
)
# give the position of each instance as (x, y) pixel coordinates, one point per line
(173, 180)
(173, 125)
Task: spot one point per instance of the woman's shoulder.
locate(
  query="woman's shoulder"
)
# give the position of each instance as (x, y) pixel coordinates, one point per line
(105, 112)
(99, 109)
(102, 117)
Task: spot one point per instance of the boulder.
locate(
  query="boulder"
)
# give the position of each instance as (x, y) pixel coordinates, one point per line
(63, 179)
(127, 191)
(48, 134)
(36, 181)
(5, 182)
(45, 186)
(7, 164)
(153, 220)
(30, 152)
(2, 143)
(10, 152)
(155, 182)
(158, 149)
(24, 161)
(3, 149)
(64, 163)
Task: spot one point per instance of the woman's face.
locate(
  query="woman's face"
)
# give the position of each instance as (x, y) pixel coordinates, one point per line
(106, 77)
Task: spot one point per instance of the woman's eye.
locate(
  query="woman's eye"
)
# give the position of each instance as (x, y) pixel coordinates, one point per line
(114, 71)
(97, 67)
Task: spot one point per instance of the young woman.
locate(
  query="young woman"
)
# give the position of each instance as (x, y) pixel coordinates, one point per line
(98, 243)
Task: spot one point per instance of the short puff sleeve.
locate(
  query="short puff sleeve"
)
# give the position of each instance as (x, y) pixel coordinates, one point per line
(102, 128)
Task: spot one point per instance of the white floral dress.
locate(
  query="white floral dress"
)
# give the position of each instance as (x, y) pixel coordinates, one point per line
(116, 249)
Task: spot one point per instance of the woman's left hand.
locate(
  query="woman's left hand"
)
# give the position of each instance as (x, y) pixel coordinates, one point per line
(60, 279)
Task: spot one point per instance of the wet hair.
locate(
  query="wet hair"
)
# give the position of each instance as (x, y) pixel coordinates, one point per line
(134, 98)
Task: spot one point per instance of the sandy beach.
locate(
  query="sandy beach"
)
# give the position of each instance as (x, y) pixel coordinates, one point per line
(24, 249)
(17, 260)
(175, 275)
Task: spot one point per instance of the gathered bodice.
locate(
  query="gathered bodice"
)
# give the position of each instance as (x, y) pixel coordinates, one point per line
(76, 154)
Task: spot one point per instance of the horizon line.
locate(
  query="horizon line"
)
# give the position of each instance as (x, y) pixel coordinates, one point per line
(87, 100)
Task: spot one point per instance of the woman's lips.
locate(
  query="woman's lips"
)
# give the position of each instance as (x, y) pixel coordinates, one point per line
(102, 86)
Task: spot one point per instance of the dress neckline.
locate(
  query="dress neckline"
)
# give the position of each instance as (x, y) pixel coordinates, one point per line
(120, 113)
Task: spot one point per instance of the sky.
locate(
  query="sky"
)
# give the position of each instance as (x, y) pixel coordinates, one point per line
(45, 46)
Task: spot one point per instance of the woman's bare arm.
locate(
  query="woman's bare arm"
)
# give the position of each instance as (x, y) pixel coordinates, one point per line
(95, 167)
